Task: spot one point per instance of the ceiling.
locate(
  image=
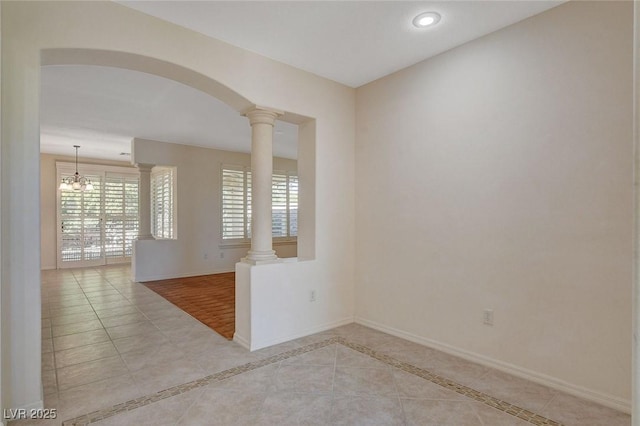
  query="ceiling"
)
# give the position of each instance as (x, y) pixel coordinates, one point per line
(352, 42)
(103, 108)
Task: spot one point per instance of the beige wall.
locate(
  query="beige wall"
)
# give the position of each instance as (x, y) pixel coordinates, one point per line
(199, 247)
(498, 176)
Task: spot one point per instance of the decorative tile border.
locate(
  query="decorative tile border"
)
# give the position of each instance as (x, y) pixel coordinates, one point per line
(482, 397)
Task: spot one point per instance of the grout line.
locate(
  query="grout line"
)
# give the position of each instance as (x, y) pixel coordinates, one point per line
(472, 394)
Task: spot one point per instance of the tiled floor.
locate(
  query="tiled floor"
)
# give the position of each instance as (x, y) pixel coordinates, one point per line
(108, 341)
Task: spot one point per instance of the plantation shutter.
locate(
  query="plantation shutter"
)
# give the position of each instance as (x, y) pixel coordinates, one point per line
(292, 192)
(120, 215)
(236, 203)
(279, 215)
(80, 215)
(162, 202)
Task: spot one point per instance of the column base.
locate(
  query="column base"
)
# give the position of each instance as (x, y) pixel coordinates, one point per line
(255, 257)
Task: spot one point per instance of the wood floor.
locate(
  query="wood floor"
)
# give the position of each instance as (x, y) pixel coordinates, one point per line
(208, 298)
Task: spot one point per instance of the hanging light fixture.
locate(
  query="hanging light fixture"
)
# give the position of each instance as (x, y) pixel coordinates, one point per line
(76, 182)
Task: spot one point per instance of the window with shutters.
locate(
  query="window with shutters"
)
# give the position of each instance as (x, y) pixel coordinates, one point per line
(120, 215)
(163, 203)
(236, 204)
(97, 227)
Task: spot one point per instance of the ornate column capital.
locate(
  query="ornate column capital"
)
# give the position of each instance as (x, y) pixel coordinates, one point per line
(144, 167)
(261, 115)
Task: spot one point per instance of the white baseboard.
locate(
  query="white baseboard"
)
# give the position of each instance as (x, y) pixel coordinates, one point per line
(168, 276)
(241, 341)
(307, 332)
(607, 400)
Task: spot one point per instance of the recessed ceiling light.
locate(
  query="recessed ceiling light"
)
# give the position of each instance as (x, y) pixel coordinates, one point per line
(426, 19)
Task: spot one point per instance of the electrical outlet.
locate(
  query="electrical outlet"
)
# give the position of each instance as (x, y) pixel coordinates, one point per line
(487, 317)
(205, 256)
(312, 296)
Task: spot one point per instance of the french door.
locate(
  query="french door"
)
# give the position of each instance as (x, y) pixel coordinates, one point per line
(97, 227)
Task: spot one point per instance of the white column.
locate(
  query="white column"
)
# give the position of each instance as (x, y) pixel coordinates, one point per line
(144, 202)
(262, 121)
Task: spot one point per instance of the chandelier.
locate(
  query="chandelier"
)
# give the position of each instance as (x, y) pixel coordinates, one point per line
(76, 182)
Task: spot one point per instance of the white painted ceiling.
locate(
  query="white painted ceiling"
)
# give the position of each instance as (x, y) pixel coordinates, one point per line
(351, 42)
(102, 109)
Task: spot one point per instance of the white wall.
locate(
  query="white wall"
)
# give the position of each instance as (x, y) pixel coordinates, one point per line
(4, 365)
(199, 248)
(499, 175)
(30, 27)
(48, 199)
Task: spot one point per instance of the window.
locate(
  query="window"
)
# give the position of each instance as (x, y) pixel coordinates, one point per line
(97, 227)
(120, 215)
(236, 203)
(163, 206)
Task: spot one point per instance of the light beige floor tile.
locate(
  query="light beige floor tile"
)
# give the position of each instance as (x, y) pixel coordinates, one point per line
(73, 310)
(80, 339)
(151, 339)
(74, 328)
(572, 411)
(412, 386)
(423, 412)
(361, 411)
(88, 372)
(304, 378)
(86, 353)
(123, 319)
(454, 368)
(48, 361)
(128, 330)
(276, 349)
(159, 377)
(54, 305)
(364, 382)
(258, 380)
(117, 311)
(101, 292)
(163, 412)
(224, 407)
(347, 357)
(74, 318)
(47, 346)
(196, 338)
(109, 305)
(49, 383)
(175, 322)
(492, 417)
(283, 409)
(211, 364)
(97, 395)
(68, 299)
(46, 333)
(152, 356)
(101, 299)
(322, 356)
(218, 348)
(515, 390)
